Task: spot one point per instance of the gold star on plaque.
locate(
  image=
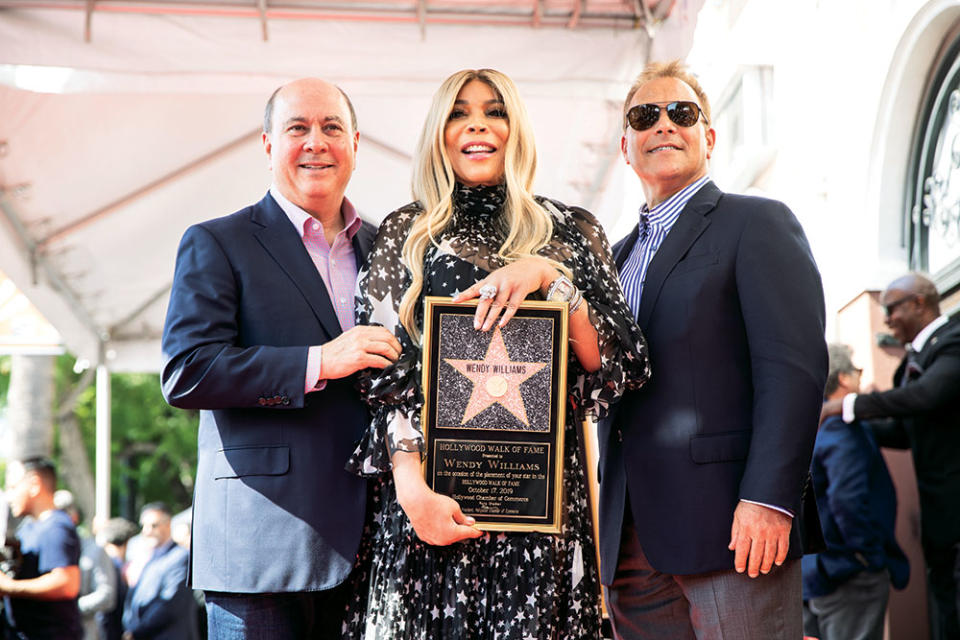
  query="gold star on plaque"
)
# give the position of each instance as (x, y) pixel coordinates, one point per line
(496, 380)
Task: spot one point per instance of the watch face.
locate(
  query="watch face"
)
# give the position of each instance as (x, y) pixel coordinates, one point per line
(562, 291)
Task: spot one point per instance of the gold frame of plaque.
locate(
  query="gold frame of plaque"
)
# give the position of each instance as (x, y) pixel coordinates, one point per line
(494, 413)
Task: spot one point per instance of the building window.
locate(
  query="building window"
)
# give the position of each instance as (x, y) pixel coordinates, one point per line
(741, 118)
(933, 220)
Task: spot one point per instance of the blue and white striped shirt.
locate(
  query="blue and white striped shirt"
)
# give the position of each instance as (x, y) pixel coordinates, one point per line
(655, 224)
(654, 227)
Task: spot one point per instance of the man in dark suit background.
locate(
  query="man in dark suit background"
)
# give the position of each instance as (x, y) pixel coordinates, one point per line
(160, 606)
(702, 469)
(924, 415)
(259, 336)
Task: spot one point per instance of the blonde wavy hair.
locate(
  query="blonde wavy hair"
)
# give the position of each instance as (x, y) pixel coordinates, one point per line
(528, 225)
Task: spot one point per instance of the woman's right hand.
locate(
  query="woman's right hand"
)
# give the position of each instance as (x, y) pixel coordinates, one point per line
(436, 518)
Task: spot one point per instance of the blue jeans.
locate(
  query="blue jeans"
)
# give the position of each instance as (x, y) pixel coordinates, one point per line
(276, 616)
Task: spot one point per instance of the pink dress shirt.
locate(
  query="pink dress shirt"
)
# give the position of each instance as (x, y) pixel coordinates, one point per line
(336, 265)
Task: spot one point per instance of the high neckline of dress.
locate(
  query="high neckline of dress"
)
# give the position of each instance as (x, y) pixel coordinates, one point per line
(481, 200)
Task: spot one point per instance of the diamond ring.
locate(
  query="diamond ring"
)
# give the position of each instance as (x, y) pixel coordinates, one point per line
(488, 292)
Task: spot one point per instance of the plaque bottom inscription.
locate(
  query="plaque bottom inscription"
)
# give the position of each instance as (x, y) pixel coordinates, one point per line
(508, 479)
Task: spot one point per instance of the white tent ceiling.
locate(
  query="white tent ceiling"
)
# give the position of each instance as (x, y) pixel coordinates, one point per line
(110, 148)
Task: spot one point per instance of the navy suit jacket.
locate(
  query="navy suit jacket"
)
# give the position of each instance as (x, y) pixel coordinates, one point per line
(733, 312)
(858, 510)
(161, 606)
(274, 510)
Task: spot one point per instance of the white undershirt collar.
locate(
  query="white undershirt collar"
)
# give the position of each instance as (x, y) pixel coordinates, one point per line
(925, 333)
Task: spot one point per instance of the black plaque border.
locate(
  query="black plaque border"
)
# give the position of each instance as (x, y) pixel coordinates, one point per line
(557, 312)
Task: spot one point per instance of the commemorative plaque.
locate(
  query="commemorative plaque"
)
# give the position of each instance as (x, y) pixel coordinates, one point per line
(493, 413)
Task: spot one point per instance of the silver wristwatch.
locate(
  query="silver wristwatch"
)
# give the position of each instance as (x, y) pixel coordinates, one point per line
(562, 290)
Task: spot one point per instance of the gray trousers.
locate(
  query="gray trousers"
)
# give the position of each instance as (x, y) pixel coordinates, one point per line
(645, 604)
(855, 611)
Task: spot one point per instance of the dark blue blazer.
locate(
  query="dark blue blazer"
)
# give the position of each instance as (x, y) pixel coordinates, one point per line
(733, 313)
(858, 510)
(161, 606)
(274, 510)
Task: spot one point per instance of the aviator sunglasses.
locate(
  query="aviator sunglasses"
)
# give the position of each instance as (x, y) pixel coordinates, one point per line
(681, 112)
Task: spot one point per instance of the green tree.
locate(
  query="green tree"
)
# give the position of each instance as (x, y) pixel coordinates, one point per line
(153, 446)
(4, 384)
(4, 380)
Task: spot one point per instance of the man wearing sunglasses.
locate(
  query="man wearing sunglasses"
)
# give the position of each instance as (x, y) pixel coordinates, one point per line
(702, 468)
(923, 409)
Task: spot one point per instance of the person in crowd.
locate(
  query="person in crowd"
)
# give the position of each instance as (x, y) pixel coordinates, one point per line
(260, 337)
(41, 602)
(160, 606)
(113, 536)
(701, 470)
(847, 586)
(98, 577)
(180, 532)
(475, 229)
(923, 414)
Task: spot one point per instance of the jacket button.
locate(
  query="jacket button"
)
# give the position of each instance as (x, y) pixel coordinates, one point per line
(285, 400)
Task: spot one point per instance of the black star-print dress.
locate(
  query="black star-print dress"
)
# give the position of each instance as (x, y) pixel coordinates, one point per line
(501, 585)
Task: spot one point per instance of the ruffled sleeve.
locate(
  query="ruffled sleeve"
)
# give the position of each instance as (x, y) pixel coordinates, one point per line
(392, 393)
(581, 244)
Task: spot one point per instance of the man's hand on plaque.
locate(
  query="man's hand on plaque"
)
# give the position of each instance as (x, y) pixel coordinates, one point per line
(356, 349)
(437, 519)
(505, 288)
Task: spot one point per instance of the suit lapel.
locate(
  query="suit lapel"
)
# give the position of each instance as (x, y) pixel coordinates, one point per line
(899, 373)
(362, 241)
(283, 244)
(623, 248)
(689, 225)
(930, 347)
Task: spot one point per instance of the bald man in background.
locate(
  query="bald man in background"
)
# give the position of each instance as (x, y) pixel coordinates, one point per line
(923, 411)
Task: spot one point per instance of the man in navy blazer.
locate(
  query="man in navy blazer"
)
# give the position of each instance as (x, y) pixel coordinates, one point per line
(847, 585)
(259, 336)
(160, 606)
(702, 469)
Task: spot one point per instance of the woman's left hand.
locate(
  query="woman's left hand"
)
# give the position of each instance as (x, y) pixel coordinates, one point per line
(513, 283)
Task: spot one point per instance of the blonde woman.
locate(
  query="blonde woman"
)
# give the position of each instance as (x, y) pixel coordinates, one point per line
(475, 230)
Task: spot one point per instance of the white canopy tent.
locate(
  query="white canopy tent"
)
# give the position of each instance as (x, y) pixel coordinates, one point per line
(123, 122)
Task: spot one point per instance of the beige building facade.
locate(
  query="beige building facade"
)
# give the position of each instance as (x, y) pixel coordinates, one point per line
(849, 111)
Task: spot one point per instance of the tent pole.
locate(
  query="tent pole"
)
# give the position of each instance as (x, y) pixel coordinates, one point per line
(103, 441)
